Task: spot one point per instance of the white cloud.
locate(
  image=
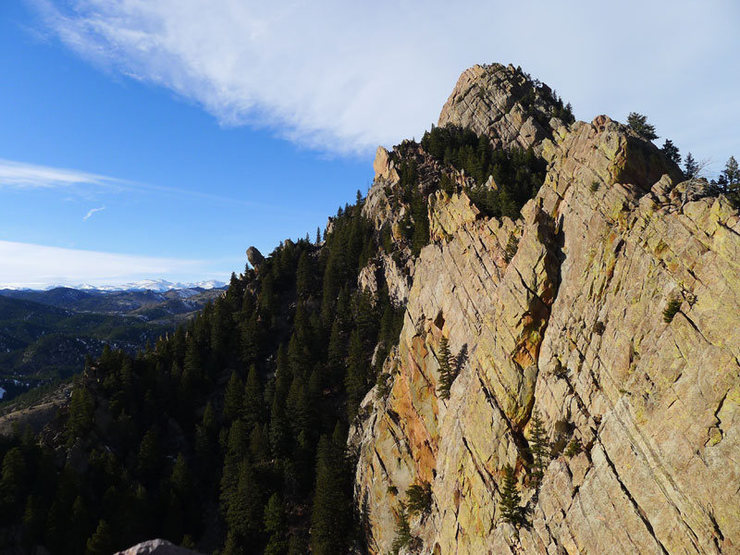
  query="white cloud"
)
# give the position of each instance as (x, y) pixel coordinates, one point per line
(91, 212)
(38, 266)
(26, 176)
(32, 176)
(345, 76)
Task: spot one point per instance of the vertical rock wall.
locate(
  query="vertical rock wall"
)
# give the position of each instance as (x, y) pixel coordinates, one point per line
(573, 325)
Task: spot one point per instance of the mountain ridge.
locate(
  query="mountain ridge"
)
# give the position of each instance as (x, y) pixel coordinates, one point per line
(378, 390)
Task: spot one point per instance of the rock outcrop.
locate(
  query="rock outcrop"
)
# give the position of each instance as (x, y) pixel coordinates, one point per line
(503, 103)
(571, 322)
(157, 547)
(255, 257)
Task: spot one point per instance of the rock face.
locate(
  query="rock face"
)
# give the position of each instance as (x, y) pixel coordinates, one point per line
(503, 103)
(572, 324)
(157, 547)
(255, 257)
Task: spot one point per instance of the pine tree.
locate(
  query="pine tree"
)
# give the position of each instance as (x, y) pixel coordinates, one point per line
(690, 167)
(539, 446)
(447, 372)
(639, 124)
(732, 172)
(149, 458)
(13, 481)
(403, 531)
(304, 276)
(731, 175)
(419, 498)
(101, 542)
(671, 151)
(357, 375)
(275, 526)
(34, 520)
(330, 512)
(81, 408)
(180, 478)
(253, 407)
(511, 512)
(233, 397)
(244, 513)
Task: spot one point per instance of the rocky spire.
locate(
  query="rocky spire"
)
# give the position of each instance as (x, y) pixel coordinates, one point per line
(505, 104)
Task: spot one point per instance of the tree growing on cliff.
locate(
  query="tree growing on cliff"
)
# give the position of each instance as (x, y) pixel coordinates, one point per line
(419, 498)
(539, 446)
(403, 537)
(447, 373)
(638, 123)
(511, 512)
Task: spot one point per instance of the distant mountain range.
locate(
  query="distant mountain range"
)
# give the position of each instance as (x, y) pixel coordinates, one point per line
(160, 285)
(45, 335)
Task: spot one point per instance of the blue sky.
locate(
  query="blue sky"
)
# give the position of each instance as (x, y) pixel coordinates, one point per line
(160, 139)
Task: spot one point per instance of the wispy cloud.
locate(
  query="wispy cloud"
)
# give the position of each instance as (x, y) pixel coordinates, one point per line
(345, 76)
(32, 176)
(22, 175)
(36, 266)
(91, 212)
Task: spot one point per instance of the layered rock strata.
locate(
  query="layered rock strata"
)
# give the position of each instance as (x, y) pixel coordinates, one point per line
(572, 323)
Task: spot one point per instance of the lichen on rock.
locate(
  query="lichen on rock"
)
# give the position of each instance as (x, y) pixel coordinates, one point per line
(570, 322)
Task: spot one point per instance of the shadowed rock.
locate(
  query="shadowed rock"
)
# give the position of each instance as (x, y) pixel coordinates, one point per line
(255, 257)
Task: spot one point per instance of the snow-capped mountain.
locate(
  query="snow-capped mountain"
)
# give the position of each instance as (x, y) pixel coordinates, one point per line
(158, 285)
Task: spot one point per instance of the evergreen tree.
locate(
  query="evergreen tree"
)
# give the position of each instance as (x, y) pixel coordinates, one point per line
(731, 175)
(180, 478)
(244, 513)
(639, 124)
(671, 151)
(447, 371)
(304, 276)
(34, 520)
(81, 408)
(357, 374)
(149, 458)
(13, 480)
(732, 172)
(252, 406)
(509, 501)
(539, 446)
(101, 542)
(690, 167)
(275, 526)
(403, 538)
(329, 516)
(419, 498)
(233, 397)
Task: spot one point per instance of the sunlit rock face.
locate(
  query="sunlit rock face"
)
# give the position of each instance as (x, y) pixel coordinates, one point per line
(570, 322)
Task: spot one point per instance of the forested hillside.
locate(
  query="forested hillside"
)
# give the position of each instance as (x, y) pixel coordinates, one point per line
(229, 434)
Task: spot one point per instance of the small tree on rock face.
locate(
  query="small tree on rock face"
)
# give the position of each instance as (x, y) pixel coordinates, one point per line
(447, 373)
(419, 498)
(511, 512)
(403, 537)
(539, 446)
(671, 151)
(639, 124)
